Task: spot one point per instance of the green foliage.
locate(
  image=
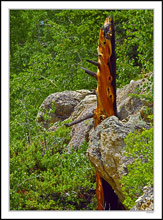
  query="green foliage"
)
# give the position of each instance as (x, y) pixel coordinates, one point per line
(145, 91)
(134, 44)
(56, 43)
(44, 176)
(47, 49)
(139, 146)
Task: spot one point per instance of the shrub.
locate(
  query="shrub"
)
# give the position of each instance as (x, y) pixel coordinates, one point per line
(139, 146)
(44, 176)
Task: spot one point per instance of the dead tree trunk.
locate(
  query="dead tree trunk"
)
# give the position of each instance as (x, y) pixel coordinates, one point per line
(106, 90)
(106, 73)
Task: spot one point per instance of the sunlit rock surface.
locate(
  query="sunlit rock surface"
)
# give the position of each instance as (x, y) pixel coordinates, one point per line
(64, 103)
(106, 149)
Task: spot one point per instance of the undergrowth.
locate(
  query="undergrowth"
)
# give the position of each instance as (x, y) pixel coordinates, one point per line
(44, 176)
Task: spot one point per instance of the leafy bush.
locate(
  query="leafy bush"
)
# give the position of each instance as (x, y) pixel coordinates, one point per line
(139, 146)
(47, 49)
(134, 44)
(44, 176)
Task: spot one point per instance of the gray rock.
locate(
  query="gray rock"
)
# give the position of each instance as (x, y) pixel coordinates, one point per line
(146, 201)
(80, 132)
(66, 101)
(63, 102)
(106, 149)
(127, 105)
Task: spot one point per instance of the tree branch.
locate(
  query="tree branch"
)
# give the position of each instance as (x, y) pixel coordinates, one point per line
(90, 72)
(93, 62)
(80, 120)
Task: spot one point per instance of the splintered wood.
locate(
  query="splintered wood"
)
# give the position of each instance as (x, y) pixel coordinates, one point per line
(106, 88)
(106, 91)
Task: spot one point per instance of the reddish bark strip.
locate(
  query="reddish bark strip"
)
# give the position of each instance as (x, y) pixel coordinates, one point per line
(106, 88)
